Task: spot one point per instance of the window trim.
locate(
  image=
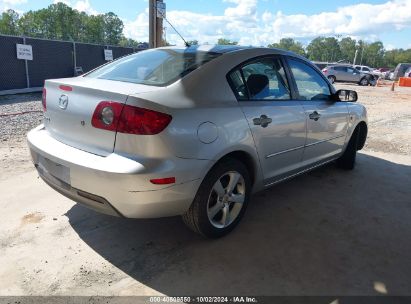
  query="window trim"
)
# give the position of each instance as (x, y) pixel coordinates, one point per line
(250, 60)
(315, 68)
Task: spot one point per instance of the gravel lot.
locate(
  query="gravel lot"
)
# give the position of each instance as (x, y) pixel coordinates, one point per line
(14, 154)
(328, 232)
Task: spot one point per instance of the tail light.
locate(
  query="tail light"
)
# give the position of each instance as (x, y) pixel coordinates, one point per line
(101, 119)
(43, 99)
(114, 116)
(325, 71)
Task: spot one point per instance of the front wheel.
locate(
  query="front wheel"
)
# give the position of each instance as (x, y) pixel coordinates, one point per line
(221, 200)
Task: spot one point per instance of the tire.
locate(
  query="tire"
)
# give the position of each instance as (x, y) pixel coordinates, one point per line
(347, 160)
(364, 81)
(332, 79)
(213, 212)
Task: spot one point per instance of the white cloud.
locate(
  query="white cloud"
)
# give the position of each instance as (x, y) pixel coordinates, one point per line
(389, 47)
(242, 22)
(11, 4)
(85, 6)
(81, 5)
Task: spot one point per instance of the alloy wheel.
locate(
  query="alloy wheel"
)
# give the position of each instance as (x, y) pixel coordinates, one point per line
(226, 199)
(364, 82)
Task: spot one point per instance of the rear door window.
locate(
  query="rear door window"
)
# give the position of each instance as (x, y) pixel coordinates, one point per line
(351, 70)
(260, 79)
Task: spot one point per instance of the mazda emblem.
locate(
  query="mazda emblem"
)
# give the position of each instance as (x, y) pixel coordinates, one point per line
(63, 102)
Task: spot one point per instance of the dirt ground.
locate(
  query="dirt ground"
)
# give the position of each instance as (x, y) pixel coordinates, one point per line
(324, 233)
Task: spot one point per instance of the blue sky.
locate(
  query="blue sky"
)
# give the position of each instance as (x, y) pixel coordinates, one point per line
(257, 22)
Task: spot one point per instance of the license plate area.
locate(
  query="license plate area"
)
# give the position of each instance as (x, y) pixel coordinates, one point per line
(54, 169)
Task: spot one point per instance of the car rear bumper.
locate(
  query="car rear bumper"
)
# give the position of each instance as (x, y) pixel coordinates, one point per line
(116, 184)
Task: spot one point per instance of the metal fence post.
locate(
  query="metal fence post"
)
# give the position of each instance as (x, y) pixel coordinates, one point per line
(75, 58)
(27, 67)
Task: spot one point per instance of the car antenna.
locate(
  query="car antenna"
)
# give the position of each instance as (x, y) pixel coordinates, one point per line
(182, 38)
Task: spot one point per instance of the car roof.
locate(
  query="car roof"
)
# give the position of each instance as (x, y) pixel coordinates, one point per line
(340, 65)
(223, 49)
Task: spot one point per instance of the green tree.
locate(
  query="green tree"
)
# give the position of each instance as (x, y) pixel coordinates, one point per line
(9, 22)
(289, 44)
(60, 21)
(347, 47)
(128, 42)
(94, 29)
(113, 28)
(224, 41)
(324, 49)
(375, 54)
(393, 57)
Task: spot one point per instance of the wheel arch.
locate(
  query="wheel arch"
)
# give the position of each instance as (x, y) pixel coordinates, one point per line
(332, 76)
(244, 157)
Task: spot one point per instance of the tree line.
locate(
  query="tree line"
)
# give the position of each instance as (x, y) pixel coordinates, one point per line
(330, 49)
(59, 21)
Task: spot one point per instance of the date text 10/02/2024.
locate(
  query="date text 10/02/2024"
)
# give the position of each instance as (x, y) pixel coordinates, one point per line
(240, 299)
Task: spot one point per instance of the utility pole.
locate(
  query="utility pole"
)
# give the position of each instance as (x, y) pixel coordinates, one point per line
(355, 57)
(156, 11)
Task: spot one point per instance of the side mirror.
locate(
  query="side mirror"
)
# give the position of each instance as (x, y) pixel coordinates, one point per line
(346, 95)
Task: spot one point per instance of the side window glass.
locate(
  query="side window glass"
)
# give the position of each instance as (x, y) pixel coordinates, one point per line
(310, 85)
(238, 85)
(350, 70)
(265, 80)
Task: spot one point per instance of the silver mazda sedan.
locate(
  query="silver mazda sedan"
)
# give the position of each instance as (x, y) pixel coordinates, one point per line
(192, 131)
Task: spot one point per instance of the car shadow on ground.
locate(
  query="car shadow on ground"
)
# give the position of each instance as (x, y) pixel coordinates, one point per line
(323, 233)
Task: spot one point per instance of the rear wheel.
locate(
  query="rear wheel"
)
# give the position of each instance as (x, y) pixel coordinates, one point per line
(364, 81)
(220, 201)
(331, 79)
(347, 160)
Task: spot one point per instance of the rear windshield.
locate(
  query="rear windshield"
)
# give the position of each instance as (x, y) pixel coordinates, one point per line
(158, 67)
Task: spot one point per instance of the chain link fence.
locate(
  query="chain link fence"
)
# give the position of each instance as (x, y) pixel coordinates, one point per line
(51, 59)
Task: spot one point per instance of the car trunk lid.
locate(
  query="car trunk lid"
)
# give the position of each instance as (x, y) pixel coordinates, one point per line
(70, 104)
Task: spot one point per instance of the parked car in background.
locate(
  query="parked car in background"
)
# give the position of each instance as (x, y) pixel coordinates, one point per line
(367, 70)
(347, 73)
(363, 68)
(408, 72)
(400, 70)
(382, 70)
(385, 72)
(192, 131)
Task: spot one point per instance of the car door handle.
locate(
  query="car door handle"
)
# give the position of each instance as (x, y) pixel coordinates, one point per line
(262, 121)
(315, 116)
